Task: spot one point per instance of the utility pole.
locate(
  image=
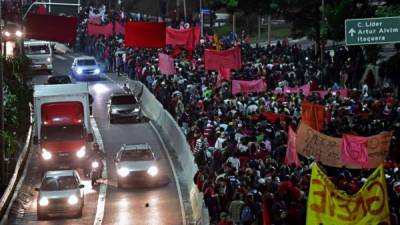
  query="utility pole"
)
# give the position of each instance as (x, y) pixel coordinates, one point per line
(201, 19)
(184, 10)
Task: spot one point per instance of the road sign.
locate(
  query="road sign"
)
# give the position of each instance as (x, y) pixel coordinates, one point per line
(372, 31)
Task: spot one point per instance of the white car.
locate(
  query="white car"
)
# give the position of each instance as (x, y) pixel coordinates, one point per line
(40, 53)
(60, 193)
(86, 67)
(136, 162)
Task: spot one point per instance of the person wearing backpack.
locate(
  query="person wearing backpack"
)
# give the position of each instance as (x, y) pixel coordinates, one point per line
(247, 216)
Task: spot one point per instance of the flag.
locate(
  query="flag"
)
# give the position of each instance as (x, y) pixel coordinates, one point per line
(223, 74)
(243, 86)
(354, 149)
(313, 115)
(291, 152)
(166, 64)
(217, 42)
(145, 34)
(266, 220)
(189, 38)
(176, 52)
(51, 28)
(41, 9)
(215, 60)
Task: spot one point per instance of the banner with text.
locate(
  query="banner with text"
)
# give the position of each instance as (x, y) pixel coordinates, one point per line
(329, 206)
(216, 60)
(327, 150)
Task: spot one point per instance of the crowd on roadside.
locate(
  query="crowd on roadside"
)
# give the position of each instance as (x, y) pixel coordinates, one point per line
(240, 154)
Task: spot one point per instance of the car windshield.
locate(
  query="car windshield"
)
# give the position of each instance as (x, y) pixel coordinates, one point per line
(137, 155)
(37, 49)
(86, 62)
(123, 100)
(64, 133)
(59, 183)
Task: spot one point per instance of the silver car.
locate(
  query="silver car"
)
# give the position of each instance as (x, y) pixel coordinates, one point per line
(60, 193)
(136, 162)
(124, 106)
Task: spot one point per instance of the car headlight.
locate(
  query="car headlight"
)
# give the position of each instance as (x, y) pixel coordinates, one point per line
(79, 71)
(96, 71)
(18, 33)
(72, 200)
(82, 152)
(46, 155)
(136, 110)
(48, 59)
(95, 164)
(123, 172)
(44, 201)
(7, 34)
(152, 171)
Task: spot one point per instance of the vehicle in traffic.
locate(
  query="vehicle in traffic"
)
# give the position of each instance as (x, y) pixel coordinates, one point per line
(136, 163)
(60, 193)
(59, 79)
(62, 125)
(124, 106)
(86, 68)
(40, 53)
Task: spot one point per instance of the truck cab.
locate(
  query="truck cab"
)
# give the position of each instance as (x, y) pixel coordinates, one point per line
(62, 125)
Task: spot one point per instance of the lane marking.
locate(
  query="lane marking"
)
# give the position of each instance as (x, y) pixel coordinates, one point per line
(178, 186)
(60, 57)
(101, 203)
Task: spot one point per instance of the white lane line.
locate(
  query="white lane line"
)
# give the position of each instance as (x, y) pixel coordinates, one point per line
(101, 203)
(178, 186)
(60, 57)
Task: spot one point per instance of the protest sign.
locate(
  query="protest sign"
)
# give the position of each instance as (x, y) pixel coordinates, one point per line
(166, 64)
(244, 86)
(329, 206)
(216, 60)
(313, 115)
(327, 150)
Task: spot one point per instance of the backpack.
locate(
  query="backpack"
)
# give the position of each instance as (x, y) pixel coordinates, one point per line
(246, 215)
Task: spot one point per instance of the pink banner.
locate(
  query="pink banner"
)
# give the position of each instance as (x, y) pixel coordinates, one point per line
(243, 86)
(341, 92)
(190, 38)
(355, 149)
(166, 64)
(96, 30)
(305, 88)
(95, 20)
(291, 153)
(216, 60)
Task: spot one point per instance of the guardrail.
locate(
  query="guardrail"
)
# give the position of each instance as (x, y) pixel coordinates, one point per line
(179, 150)
(19, 167)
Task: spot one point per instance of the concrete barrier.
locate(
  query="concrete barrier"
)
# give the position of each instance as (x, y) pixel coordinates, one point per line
(19, 167)
(179, 150)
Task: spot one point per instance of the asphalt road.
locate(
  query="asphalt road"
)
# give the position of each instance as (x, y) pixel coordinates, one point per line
(138, 204)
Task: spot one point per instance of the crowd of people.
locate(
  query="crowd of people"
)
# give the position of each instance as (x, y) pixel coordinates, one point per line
(240, 153)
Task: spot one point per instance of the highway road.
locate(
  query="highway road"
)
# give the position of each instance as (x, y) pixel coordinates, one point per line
(139, 204)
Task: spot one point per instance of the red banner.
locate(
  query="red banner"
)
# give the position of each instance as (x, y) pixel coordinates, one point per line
(51, 28)
(119, 28)
(145, 34)
(305, 89)
(223, 74)
(243, 86)
(94, 19)
(215, 60)
(313, 115)
(190, 38)
(272, 117)
(96, 30)
(166, 64)
(354, 150)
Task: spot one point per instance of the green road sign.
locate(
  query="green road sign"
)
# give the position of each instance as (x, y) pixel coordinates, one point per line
(372, 31)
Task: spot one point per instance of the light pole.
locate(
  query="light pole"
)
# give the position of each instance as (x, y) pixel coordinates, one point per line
(2, 153)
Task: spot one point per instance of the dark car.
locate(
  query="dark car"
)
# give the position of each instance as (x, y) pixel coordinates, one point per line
(124, 106)
(62, 79)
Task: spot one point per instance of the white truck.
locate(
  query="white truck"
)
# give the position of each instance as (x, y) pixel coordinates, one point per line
(62, 125)
(41, 54)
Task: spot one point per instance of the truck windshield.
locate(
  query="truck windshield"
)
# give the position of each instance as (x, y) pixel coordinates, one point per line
(37, 50)
(123, 100)
(67, 133)
(59, 183)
